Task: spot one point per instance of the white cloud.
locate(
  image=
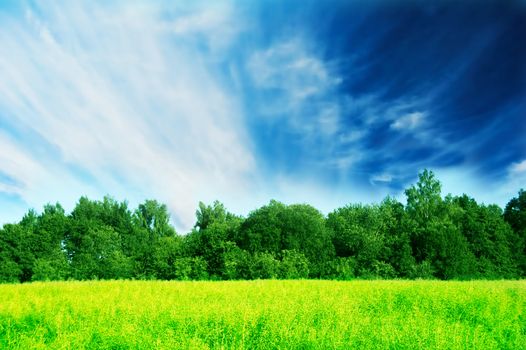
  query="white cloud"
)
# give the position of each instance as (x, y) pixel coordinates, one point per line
(516, 178)
(213, 22)
(344, 162)
(383, 178)
(107, 89)
(463, 179)
(324, 196)
(304, 87)
(409, 121)
(518, 168)
(351, 136)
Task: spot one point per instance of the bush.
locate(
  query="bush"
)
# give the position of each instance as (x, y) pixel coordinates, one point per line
(424, 270)
(47, 270)
(190, 268)
(236, 264)
(384, 270)
(9, 271)
(339, 269)
(264, 266)
(293, 265)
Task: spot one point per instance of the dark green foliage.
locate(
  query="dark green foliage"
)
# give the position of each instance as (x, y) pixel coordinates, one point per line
(54, 267)
(93, 240)
(429, 237)
(294, 265)
(262, 229)
(375, 237)
(150, 223)
(277, 227)
(340, 268)
(515, 215)
(264, 266)
(93, 252)
(10, 270)
(422, 270)
(357, 232)
(306, 237)
(397, 250)
(191, 268)
(491, 239)
(212, 237)
(167, 251)
(434, 235)
(237, 263)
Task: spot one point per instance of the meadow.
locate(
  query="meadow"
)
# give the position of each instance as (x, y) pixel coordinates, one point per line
(264, 314)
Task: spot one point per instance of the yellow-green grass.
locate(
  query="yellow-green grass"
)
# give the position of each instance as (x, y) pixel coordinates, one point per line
(264, 315)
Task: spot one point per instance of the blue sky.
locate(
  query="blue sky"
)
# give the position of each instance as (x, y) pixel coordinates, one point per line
(324, 102)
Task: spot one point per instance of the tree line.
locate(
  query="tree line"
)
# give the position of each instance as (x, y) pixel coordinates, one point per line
(431, 236)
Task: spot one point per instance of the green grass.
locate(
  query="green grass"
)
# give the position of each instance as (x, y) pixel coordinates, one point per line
(264, 315)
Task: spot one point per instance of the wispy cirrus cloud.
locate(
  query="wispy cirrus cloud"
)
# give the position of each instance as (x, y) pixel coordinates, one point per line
(118, 101)
(301, 84)
(243, 102)
(409, 121)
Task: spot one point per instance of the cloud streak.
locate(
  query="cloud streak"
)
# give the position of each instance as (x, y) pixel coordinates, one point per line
(244, 102)
(120, 103)
(408, 122)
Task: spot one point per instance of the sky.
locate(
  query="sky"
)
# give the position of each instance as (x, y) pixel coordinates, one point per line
(319, 102)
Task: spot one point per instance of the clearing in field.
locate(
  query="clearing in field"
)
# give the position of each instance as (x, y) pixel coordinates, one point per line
(269, 314)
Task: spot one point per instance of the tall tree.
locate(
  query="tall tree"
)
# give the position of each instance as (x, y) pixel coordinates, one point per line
(262, 229)
(490, 238)
(397, 248)
(304, 232)
(10, 269)
(51, 258)
(358, 232)
(515, 215)
(435, 238)
(151, 223)
(213, 235)
(277, 227)
(92, 243)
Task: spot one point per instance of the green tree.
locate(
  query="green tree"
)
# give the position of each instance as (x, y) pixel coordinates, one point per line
(93, 241)
(423, 206)
(35, 239)
(151, 222)
(209, 214)
(213, 235)
(154, 218)
(304, 232)
(277, 227)
(435, 237)
(166, 252)
(50, 256)
(10, 270)
(490, 238)
(515, 216)
(340, 268)
(264, 266)
(358, 232)
(293, 265)
(53, 267)
(262, 229)
(237, 263)
(397, 250)
(191, 268)
(97, 249)
(27, 244)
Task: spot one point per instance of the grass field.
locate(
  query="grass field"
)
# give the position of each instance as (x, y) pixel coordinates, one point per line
(264, 315)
